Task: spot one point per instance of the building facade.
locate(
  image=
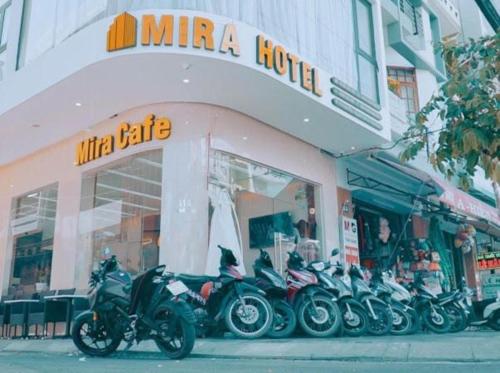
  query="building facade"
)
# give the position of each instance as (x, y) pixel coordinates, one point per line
(161, 129)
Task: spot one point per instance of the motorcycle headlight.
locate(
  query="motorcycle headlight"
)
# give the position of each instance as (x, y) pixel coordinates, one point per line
(319, 266)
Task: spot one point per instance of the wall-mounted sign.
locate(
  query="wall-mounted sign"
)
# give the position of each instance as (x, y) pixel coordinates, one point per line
(126, 135)
(159, 30)
(488, 261)
(349, 240)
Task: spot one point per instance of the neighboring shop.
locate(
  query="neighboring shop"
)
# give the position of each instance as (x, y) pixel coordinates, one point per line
(405, 223)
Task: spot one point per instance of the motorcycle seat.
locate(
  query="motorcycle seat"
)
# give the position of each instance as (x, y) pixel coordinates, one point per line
(194, 278)
(445, 297)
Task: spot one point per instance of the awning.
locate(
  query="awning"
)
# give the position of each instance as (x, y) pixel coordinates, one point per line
(464, 203)
(484, 226)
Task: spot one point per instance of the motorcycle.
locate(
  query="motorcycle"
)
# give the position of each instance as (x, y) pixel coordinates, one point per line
(402, 314)
(486, 312)
(354, 316)
(267, 279)
(453, 305)
(401, 295)
(317, 311)
(228, 300)
(379, 313)
(433, 315)
(148, 307)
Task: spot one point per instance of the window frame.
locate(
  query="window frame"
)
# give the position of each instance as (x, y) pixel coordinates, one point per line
(3, 10)
(413, 84)
(372, 59)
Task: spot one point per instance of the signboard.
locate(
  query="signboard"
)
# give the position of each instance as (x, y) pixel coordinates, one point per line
(490, 284)
(488, 261)
(349, 240)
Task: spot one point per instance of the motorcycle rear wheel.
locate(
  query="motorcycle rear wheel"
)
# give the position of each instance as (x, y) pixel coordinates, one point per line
(284, 320)
(250, 322)
(324, 324)
(92, 342)
(358, 325)
(180, 343)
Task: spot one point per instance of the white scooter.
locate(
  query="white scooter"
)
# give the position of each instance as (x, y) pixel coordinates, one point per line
(486, 312)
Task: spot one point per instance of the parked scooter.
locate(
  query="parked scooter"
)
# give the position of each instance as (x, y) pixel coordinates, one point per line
(149, 307)
(453, 305)
(486, 312)
(317, 311)
(402, 315)
(267, 279)
(228, 300)
(402, 295)
(433, 315)
(379, 312)
(354, 316)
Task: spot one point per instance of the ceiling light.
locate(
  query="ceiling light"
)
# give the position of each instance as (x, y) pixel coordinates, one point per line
(78, 104)
(353, 148)
(186, 81)
(306, 120)
(186, 122)
(245, 138)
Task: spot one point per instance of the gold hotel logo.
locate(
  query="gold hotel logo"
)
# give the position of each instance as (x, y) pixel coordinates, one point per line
(122, 33)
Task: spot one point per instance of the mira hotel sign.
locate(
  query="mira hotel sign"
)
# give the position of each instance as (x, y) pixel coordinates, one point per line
(159, 31)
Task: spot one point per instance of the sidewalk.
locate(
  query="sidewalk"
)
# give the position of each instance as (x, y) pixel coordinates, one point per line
(474, 346)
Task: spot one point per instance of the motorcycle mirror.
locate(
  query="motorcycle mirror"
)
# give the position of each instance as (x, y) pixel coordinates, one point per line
(335, 252)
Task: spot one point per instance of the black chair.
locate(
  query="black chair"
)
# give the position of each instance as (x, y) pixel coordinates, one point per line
(4, 318)
(17, 317)
(66, 291)
(35, 315)
(80, 305)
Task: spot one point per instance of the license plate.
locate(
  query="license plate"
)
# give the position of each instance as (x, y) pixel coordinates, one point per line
(177, 288)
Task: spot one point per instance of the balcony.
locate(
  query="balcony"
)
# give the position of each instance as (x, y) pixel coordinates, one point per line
(448, 14)
(405, 31)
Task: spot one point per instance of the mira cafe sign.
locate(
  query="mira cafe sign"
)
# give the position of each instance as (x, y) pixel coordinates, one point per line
(160, 31)
(126, 135)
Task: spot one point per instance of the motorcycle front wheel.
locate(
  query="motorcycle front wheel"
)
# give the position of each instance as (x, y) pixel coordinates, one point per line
(494, 321)
(401, 320)
(177, 335)
(458, 318)
(319, 316)
(251, 318)
(355, 319)
(382, 324)
(436, 321)
(284, 320)
(92, 338)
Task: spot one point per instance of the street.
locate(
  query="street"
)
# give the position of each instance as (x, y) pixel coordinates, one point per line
(137, 362)
(469, 351)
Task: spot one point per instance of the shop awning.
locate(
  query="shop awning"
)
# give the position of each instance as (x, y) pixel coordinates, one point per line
(466, 204)
(485, 226)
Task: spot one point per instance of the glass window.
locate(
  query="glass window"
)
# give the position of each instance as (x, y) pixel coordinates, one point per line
(120, 210)
(46, 23)
(4, 23)
(32, 228)
(366, 59)
(408, 90)
(252, 206)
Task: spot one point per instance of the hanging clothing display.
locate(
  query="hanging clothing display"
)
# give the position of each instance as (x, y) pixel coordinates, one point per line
(224, 231)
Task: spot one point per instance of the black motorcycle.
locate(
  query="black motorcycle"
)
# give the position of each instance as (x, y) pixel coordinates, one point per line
(228, 300)
(354, 315)
(379, 312)
(267, 279)
(434, 317)
(452, 304)
(149, 307)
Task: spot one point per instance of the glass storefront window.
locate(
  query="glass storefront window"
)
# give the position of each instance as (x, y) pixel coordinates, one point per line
(252, 206)
(120, 210)
(32, 229)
